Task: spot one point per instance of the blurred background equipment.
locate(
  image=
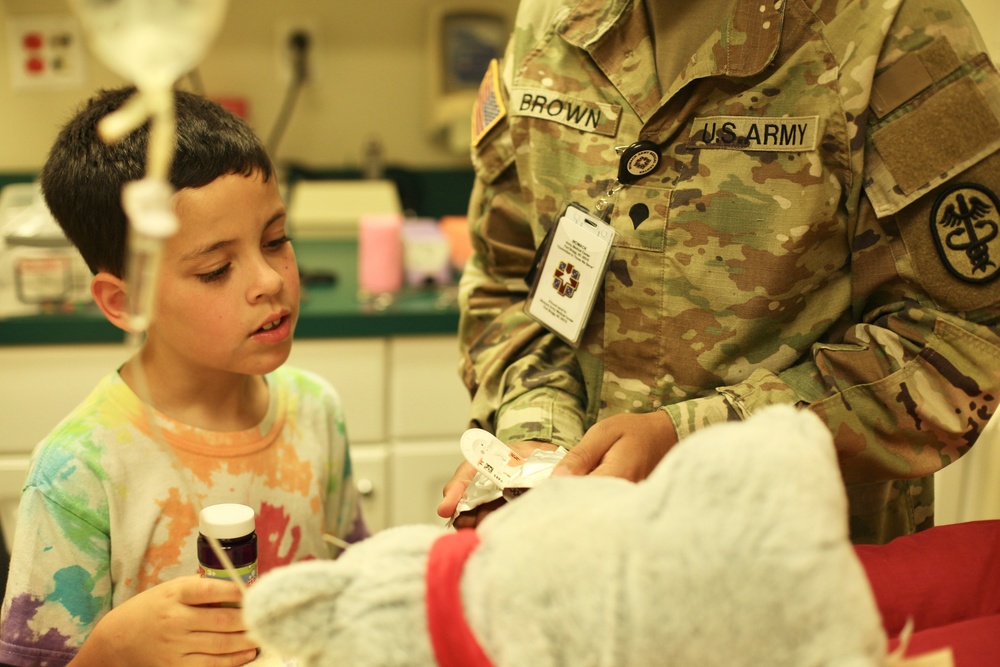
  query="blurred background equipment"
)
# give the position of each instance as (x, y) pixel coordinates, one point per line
(464, 36)
(40, 270)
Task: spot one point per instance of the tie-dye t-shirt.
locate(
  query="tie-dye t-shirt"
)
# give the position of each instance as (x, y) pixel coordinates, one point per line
(109, 511)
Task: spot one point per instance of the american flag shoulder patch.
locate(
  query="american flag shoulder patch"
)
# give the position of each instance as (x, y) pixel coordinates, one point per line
(489, 108)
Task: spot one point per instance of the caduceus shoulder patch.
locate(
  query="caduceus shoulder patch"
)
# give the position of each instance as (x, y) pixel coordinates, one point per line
(965, 224)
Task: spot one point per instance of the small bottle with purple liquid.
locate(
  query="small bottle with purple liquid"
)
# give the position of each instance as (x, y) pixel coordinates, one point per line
(234, 526)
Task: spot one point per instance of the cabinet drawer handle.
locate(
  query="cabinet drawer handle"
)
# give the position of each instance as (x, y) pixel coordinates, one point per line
(365, 487)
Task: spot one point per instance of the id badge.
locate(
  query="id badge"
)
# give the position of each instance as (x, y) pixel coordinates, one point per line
(571, 272)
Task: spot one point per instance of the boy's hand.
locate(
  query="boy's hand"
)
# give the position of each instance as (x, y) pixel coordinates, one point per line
(460, 481)
(177, 622)
(626, 445)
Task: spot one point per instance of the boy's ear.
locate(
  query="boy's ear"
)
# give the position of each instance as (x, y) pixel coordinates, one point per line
(110, 296)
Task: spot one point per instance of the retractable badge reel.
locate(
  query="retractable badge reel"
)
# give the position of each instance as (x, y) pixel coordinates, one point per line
(636, 161)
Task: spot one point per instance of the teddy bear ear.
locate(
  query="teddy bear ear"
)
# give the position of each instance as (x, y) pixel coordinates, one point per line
(286, 589)
(284, 605)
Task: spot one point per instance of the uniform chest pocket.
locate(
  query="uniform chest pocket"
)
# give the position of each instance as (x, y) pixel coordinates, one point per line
(640, 216)
(769, 221)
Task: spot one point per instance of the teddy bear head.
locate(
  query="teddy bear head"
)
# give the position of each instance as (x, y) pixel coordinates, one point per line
(735, 551)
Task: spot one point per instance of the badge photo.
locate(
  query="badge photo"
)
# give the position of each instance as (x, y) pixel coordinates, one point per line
(565, 288)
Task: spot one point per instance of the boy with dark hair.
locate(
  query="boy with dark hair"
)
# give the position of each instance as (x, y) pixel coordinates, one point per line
(104, 560)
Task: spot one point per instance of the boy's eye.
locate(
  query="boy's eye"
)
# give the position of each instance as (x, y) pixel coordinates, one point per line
(212, 276)
(278, 242)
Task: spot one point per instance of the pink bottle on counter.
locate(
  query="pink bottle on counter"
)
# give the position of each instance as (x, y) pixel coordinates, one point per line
(380, 253)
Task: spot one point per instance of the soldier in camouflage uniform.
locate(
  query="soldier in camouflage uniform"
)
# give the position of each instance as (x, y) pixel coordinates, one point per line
(820, 230)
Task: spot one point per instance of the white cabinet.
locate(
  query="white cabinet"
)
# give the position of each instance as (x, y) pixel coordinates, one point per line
(427, 397)
(418, 471)
(406, 410)
(429, 411)
(40, 384)
(405, 405)
(356, 367)
(370, 468)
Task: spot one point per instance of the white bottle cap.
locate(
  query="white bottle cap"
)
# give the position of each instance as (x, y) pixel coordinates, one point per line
(226, 521)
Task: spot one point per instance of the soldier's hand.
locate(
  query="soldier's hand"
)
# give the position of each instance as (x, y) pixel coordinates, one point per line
(624, 445)
(459, 482)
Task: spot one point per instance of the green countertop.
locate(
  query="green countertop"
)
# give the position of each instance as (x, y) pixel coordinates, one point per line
(328, 310)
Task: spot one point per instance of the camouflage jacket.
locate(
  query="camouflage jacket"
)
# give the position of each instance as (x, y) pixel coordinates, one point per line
(821, 230)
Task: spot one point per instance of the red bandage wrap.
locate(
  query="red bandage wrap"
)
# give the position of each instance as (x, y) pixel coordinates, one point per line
(454, 643)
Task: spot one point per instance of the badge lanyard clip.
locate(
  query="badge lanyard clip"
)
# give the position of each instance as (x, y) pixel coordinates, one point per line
(636, 161)
(603, 206)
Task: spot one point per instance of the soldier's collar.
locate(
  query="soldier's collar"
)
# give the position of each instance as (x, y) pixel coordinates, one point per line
(749, 42)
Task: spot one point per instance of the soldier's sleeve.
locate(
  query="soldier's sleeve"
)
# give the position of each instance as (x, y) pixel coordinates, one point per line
(525, 383)
(909, 385)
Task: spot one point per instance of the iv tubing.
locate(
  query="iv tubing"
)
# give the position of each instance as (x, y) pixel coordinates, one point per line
(150, 43)
(162, 134)
(146, 202)
(156, 105)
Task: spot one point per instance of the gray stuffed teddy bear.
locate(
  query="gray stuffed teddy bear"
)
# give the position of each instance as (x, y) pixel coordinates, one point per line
(735, 551)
